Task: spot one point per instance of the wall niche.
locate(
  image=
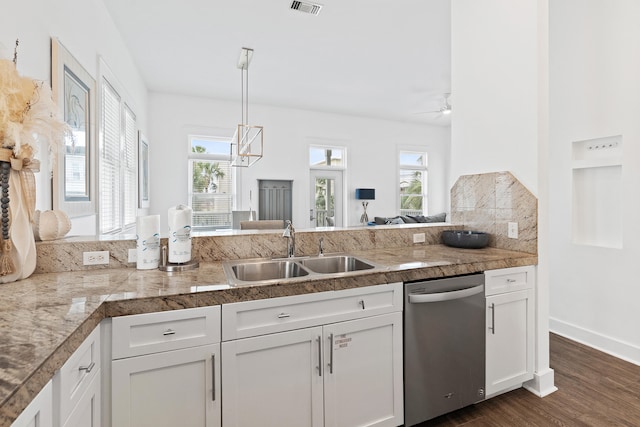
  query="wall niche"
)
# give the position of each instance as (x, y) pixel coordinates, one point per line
(597, 192)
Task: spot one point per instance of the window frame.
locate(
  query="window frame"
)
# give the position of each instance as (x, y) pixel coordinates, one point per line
(125, 220)
(206, 157)
(424, 168)
(325, 147)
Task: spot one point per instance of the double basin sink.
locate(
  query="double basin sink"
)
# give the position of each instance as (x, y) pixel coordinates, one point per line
(250, 271)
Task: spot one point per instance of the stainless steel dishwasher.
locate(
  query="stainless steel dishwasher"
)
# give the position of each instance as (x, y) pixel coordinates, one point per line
(444, 346)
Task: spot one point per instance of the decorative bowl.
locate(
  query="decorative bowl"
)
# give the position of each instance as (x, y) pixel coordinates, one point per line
(465, 239)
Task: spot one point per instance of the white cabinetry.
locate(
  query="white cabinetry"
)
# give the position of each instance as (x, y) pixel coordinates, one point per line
(39, 413)
(510, 328)
(166, 370)
(77, 385)
(325, 359)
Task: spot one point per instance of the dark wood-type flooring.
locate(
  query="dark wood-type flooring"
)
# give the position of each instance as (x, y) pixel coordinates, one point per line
(594, 389)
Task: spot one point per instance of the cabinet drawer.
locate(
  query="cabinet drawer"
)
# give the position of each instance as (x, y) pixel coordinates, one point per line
(77, 373)
(168, 330)
(509, 279)
(252, 318)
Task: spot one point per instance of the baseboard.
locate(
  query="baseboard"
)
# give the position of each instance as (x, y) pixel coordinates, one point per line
(542, 383)
(606, 344)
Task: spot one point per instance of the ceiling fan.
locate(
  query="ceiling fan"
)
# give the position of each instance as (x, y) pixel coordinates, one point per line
(444, 110)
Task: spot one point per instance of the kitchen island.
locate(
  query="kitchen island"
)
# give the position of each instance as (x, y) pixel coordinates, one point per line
(45, 317)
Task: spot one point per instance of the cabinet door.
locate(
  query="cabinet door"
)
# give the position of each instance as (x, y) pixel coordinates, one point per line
(87, 412)
(363, 372)
(173, 388)
(273, 380)
(510, 328)
(39, 413)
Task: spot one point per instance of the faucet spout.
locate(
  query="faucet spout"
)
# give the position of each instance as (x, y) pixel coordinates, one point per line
(290, 235)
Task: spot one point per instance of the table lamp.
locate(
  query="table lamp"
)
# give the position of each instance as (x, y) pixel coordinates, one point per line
(365, 194)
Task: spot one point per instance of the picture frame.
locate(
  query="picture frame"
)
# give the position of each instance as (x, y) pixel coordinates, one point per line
(143, 171)
(74, 90)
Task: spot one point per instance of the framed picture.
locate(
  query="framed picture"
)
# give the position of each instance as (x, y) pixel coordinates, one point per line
(143, 171)
(74, 172)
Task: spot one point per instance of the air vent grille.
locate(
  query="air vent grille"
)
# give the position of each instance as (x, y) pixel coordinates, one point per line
(305, 7)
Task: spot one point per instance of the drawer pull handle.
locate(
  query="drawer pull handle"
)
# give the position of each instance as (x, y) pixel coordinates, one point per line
(87, 369)
(511, 280)
(319, 356)
(492, 328)
(283, 315)
(331, 354)
(213, 377)
(361, 302)
(169, 332)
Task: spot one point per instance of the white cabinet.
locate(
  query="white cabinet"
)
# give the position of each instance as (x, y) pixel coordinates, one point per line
(39, 413)
(363, 372)
(345, 373)
(273, 380)
(87, 412)
(169, 370)
(510, 328)
(77, 385)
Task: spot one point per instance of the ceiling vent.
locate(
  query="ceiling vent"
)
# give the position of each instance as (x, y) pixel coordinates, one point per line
(305, 7)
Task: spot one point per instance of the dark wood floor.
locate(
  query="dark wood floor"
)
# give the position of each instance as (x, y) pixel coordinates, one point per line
(594, 389)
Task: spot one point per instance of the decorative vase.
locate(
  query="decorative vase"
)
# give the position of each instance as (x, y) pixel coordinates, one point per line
(20, 261)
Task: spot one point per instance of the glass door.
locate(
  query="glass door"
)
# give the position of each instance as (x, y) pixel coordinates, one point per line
(326, 198)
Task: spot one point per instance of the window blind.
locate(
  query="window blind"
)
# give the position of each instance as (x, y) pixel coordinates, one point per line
(129, 167)
(109, 160)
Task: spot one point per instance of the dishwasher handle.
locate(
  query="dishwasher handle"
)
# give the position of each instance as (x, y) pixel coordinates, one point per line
(445, 296)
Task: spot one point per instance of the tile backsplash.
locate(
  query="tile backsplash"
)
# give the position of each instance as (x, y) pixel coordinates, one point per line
(484, 202)
(66, 254)
(488, 202)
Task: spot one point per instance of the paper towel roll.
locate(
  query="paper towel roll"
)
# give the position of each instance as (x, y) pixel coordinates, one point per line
(148, 242)
(180, 234)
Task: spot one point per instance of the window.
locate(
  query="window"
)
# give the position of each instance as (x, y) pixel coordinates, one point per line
(118, 171)
(210, 182)
(322, 157)
(326, 164)
(413, 182)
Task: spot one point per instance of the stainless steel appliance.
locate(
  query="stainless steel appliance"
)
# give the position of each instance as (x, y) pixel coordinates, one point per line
(444, 346)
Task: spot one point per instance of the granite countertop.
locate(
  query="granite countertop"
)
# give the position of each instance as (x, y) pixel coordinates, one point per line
(44, 318)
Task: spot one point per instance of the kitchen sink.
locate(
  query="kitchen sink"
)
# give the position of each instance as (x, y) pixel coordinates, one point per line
(266, 270)
(275, 270)
(335, 264)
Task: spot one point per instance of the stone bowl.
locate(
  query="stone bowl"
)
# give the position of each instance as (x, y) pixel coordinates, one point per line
(465, 239)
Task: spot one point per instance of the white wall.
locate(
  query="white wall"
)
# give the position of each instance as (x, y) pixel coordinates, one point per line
(371, 144)
(595, 92)
(494, 72)
(499, 87)
(85, 28)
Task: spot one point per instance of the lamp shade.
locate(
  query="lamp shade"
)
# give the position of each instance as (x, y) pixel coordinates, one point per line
(365, 193)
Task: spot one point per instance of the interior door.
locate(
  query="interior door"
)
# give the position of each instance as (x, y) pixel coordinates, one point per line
(326, 190)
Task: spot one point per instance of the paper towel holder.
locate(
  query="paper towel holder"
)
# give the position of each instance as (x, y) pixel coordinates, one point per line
(173, 267)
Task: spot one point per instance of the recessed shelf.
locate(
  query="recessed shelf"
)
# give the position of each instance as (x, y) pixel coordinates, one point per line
(597, 192)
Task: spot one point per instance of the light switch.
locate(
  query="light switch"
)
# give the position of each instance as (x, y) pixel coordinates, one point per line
(512, 231)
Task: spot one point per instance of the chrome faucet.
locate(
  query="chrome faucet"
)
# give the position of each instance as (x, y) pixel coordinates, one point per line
(321, 247)
(290, 234)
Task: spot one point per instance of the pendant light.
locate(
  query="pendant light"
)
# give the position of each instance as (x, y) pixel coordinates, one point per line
(247, 144)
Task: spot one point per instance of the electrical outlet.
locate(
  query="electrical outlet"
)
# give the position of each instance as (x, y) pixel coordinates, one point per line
(512, 231)
(132, 255)
(95, 258)
(418, 238)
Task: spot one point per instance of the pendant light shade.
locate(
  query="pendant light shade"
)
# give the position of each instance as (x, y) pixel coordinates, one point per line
(247, 144)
